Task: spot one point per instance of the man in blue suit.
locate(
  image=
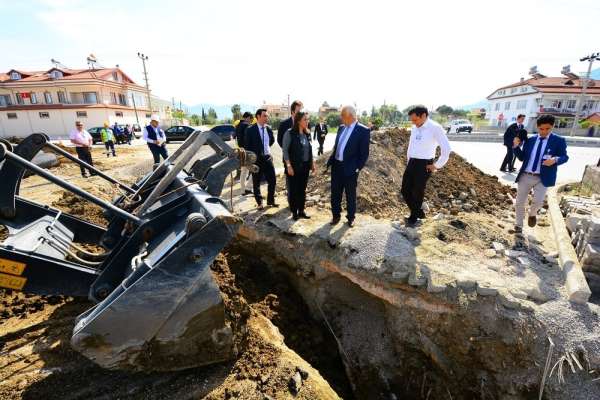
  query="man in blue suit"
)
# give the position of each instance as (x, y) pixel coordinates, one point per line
(349, 156)
(541, 155)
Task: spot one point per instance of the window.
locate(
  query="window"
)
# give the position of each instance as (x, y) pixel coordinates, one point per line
(15, 76)
(44, 115)
(497, 108)
(48, 97)
(33, 98)
(507, 105)
(571, 104)
(148, 115)
(11, 115)
(521, 104)
(118, 113)
(501, 92)
(113, 98)
(122, 100)
(513, 90)
(90, 98)
(523, 89)
(115, 76)
(56, 74)
(5, 100)
(19, 98)
(81, 114)
(556, 104)
(62, 97)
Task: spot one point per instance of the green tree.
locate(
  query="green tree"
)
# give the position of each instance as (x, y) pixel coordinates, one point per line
(211, 117)
(444, 110)
(236, 110)
(195, 119)
(333, 120)
(203, 116)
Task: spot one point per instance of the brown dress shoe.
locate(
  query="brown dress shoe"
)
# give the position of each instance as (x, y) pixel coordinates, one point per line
(335, 221)
(532, 221)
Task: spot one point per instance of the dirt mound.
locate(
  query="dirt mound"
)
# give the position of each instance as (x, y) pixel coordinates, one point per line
(74, 205)
(18, 304)
(459, 186)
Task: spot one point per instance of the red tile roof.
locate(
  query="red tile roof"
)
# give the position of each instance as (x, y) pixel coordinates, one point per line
(595, 118)
(555, 85)
(68, 74)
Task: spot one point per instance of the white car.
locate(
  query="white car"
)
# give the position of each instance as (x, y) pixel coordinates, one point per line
(459, 125)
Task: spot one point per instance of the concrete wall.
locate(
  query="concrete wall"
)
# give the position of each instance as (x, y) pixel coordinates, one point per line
(591, 178)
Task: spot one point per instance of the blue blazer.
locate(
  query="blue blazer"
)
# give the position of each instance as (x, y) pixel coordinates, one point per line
(556, 147)
(356, 151)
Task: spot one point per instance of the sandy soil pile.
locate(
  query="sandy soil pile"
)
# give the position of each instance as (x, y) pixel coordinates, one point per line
(459, 186)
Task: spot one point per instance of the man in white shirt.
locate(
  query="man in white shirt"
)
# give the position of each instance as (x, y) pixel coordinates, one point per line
(83, 144)
(425, 137)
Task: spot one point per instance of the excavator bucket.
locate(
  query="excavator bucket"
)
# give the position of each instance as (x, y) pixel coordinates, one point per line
(157, 304)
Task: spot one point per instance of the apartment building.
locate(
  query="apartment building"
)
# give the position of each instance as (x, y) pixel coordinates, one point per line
(51, 101)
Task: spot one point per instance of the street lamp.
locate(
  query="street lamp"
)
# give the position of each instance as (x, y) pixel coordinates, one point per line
(590, 59)
(144, 58)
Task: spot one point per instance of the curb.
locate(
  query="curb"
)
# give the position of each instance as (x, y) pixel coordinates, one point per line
(577, 286)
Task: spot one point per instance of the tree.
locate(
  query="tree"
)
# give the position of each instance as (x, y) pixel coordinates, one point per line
(333, 120)
(236, 110)
(203, 116)
(444, 110)
(195, 119)
(211, 117)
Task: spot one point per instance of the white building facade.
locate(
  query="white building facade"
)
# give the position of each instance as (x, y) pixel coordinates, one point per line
(558, 96)
(51, 101)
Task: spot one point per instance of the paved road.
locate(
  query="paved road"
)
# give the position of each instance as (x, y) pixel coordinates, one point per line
(489, 156)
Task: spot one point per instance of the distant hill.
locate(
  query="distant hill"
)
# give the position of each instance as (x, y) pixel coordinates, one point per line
(479, 104)
(223, 111)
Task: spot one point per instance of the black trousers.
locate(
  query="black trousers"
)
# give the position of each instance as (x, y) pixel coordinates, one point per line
(85, 155)
(158, 151)
(298, 183)
(110, 145)
(509, 159)
(320, 147)
(341, 183)
(414, 181)
(266, 169)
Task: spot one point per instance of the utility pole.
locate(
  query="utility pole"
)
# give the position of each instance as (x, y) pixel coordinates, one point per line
(144, 58)
(591, 58)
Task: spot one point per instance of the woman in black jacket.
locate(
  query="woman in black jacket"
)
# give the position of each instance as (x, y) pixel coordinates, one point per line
(298, 158)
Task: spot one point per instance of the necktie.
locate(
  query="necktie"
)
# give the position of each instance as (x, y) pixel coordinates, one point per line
(262, 138)
(536, 160)
(342, 137)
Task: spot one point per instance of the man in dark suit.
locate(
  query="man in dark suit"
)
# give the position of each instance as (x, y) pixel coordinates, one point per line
(320, 134)
(509, 135)
(541, 155)
(240, 131)
(522, 135)
(289, 122)
(258, 139)
(350, 153)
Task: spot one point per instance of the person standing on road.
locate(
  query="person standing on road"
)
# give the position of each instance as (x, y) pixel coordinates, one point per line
(541, 156)
(509, 135)
(320, 134)
(118, 133)
(240, 131)
(83, 144)
(155, 139)
(258, 139)
(283, 127)
(108, 138)
(298, 159)
(349, 155)
(425, 137)
(127, 132)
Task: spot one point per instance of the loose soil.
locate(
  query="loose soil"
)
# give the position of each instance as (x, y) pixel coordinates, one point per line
(380, 181)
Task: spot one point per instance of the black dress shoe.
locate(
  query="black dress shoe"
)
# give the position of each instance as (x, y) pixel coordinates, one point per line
(411, 221)
(350, 223)
(421, 214)
(260, 206)
(532, 221)
(303, 215)
(295, 217)
(335, 221)
(247, 192)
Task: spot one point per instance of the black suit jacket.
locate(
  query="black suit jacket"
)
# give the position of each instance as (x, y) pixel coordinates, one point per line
(510, 134)
(240, 130)
(283, 127)
(253, 141)
(320, 133)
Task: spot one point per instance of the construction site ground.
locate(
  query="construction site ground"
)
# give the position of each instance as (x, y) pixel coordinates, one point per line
(466, 239)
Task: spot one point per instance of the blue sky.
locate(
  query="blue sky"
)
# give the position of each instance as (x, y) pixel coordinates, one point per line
(351, 51)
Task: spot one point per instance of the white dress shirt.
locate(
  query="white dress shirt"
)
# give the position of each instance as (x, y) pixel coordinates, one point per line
(264, 136)
(424, 141)
(529, 167)
(345, 136)
(80, 138)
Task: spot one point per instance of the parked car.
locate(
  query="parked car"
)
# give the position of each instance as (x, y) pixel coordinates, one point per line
(459, 125)
(95, 132)
(178, 132)
(225, 131)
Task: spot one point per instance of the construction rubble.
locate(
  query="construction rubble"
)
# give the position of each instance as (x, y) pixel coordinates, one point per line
(582, 217)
